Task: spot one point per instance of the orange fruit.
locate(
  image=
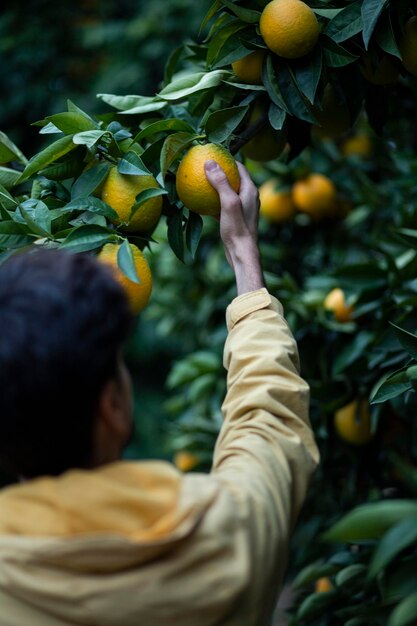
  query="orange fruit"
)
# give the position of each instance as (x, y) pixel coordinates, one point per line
(335, 302)
(138, 294)
(120, 191)
(185, 461)
(334, 117)
(276, 205)
(315, 195)
(323, 585)
(384, 73)
(268, 143)
(289, 28)
(249, 69)
(353, 422)
(408, 46)
(359, 145)
(193, 188)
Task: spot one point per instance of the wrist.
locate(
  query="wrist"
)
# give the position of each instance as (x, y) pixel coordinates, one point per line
(246, 264)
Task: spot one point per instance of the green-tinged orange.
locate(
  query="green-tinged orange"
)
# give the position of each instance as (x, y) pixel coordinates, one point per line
(249, 69)
(383, 72)
(138, 294)
(353, 422)
(193, 188)
(120, 191)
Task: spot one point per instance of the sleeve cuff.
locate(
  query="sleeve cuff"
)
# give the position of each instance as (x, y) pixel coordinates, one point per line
(249, 302)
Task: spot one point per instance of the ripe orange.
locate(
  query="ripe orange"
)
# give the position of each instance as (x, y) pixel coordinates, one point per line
(384, 73)
(359, 145)
(120, 191)
(249, 69)
(315, 195)
(408, 46)
(185, 461)
(335, 302)
(276, 205)
(323, 585)
(289, 28)
(353, 422)
(193, 188)
(138, 294)
(333, 118)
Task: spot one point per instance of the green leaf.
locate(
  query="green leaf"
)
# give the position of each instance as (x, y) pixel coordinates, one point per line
(276, 116)
(126, 262)
(90, 180)
(37, 216)
(89, 138)
(405, 614)
(246, 15)
(351, 352)
(210, 14)
(176, 234)
(315, 604)
(370, 521)
(307, 73)
(398, 538)
(89, 237)
(391, 386)
(193, 232)
(269, 79)
(132, 105)
(221, 124)
(371, 12)
(6, 199)
(71, 122)
(92, 204)
(385, 37)
(164, 126)
(400, 581)
(346, 24)
(9, 151)
(312, 572)
(361, 277)
(335, 55)
(187, 85)
(296, 103)
(351, 575)
(8, 177)
(50, 154)
(63, 170)
(173, 146)
(144, 196)
(406, 339)
(131, 164)
(221, 36)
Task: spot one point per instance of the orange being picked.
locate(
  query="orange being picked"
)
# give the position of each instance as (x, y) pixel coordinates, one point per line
(315, 195)
(408, 46)
(138, 294)
(276, 204)
(336, 303)
(120, 191)
(249, 69)
(289, 28)
(353, 422)
(193, 188)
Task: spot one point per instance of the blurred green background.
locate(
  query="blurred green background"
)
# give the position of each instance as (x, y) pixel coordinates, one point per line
(50, 52)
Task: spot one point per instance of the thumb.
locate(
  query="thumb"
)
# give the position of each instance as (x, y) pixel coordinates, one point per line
(217, 178)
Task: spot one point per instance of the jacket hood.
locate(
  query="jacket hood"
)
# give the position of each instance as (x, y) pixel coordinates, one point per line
(70, 545)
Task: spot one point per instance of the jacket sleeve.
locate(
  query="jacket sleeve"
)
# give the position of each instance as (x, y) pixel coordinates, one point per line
(265, 454)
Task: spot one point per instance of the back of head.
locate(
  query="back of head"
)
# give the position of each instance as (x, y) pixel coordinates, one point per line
(63, 321)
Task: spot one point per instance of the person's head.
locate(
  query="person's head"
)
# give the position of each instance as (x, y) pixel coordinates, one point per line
(65, 394)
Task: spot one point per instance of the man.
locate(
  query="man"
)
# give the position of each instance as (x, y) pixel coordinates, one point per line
(86, 539)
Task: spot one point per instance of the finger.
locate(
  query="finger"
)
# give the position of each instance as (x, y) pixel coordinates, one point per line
(248, 190)
(218, 179)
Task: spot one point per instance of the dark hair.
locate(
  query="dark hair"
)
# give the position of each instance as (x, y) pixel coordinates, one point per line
(63, 321)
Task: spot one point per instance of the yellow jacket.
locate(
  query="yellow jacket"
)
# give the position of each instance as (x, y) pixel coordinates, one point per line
(140, 544)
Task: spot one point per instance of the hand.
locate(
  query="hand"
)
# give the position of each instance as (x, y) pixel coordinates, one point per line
(239, 226)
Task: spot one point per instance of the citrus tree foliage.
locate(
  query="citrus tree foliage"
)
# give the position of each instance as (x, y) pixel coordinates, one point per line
(366, 246)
